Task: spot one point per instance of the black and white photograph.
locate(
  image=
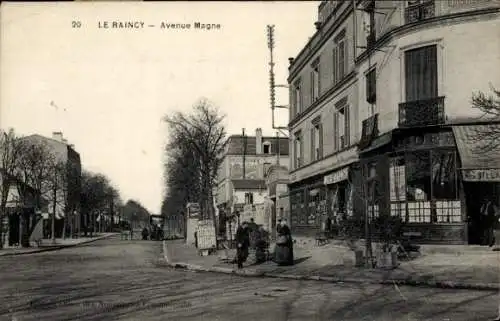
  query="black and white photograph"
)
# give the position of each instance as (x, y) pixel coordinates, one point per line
(250, 160)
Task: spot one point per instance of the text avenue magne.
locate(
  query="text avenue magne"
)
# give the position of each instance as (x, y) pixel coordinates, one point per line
(163, 25)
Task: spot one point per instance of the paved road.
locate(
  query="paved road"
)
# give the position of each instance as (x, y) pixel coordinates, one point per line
(125, 280)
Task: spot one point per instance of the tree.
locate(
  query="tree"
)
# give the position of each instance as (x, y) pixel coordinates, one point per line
(96, 198)
(37, 168)
(10, 150)
(135, 213)
(182, 178)
(489, 105)
(204, 133)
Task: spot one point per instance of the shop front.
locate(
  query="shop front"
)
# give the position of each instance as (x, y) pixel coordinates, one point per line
(479, 149)
(436, 180)
(416, 178)
(320, 202)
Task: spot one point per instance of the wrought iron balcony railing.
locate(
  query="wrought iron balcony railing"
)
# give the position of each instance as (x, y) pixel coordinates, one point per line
(422, 112)
(421, 11)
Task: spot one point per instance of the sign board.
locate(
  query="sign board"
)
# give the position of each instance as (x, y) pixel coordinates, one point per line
(338, 176)
(481, 175)
(206, 235)
(193, 210)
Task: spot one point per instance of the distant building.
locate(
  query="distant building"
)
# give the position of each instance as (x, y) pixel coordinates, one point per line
(241, 177)
(65, 153)
(380, 115)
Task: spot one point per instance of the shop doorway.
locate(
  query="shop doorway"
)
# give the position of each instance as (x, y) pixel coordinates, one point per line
(476, 193)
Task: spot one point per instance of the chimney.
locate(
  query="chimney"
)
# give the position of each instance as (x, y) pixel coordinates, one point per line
(290, 60)
(258, 141)
(318, 25)
(57, 136)
(72, 146)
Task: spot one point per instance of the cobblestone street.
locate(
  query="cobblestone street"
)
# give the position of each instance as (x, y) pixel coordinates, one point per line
(126, 280)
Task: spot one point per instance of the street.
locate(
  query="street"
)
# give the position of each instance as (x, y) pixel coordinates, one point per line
(126, 280)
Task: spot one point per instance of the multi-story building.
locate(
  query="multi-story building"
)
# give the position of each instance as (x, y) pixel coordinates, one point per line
(241, 177)
(381, 119)
(68, 197)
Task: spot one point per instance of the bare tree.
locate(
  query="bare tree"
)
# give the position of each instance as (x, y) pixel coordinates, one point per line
(203, 131)
(10, 151)
(488, 135)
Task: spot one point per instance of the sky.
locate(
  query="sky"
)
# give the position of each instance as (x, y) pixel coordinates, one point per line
(111, 87)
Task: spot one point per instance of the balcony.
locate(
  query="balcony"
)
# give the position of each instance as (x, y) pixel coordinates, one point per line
(422, 112)
(419, 12)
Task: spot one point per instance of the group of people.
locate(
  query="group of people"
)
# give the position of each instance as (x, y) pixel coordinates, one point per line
(247, 235)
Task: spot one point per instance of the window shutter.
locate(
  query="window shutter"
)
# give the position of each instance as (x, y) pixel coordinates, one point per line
(347, 125)
(335, 131)
(335, 64)
(312, 145)
(320, 141)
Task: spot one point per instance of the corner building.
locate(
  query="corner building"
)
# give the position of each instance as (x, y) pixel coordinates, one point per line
(381, 118)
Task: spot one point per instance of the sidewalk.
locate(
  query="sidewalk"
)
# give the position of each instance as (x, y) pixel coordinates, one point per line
(460, 267)
(48, 246)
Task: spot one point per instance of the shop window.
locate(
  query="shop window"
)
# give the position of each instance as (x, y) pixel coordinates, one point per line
(248, 198)
(444, 176)
(418, 176)
(419, 212)
(448, 212)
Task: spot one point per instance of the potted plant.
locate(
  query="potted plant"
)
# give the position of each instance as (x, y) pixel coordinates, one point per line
(389, 230)
(350, 230)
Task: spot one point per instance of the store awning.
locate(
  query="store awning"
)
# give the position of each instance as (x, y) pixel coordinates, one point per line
(479, 149)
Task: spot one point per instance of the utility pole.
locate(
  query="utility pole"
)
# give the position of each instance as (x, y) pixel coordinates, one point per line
(272, 84)
(244, 153)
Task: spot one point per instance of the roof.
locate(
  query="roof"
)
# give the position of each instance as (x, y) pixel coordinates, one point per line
(247, 184)
(236, 143)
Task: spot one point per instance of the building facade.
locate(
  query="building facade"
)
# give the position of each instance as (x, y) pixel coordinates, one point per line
(385, 88)
(241, 177)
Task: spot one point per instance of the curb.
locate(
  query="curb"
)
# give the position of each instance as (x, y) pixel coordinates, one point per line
(56, 247)
(410, 281)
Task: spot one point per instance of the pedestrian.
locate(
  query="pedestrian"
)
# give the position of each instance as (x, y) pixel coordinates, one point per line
(262, 244)
(242, 242)
(131, 232)
(489, 217)
(284, 244)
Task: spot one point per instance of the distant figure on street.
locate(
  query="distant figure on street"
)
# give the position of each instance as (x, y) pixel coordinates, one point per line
(284, 244)
(262, 244)
(243, 243)
(131, 232)
(145, 233)
(489, 212)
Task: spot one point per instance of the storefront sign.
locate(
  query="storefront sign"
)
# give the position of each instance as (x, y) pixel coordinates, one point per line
(481, 175)
(338, 176)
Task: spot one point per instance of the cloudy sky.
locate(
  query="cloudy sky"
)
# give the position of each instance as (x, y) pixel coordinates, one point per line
(112, 86)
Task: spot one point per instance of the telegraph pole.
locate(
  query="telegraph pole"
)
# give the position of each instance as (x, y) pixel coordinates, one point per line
(272, 84)
(244, 152)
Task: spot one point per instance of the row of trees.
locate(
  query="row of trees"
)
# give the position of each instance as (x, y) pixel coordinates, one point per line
(47, 182)
(194, 153)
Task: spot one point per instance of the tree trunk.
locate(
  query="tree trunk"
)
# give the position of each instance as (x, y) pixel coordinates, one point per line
(53, 221)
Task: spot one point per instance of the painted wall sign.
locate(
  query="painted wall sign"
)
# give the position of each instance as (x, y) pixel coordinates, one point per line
(481, 175)
(338, 176)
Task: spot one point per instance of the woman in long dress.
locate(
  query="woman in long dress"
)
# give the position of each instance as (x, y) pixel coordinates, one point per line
(284, 244)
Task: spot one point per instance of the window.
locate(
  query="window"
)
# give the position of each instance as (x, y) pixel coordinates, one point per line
(372, 190)
(297, 97)
(418, 180)
(267, 148)
(369, 24)
(417, 10)
(444, 176)
(371, 86)
(341, 124)
(315, 81)
(339, 57)
(297, 150)
(316, 141)
(248, 198)
(421, 73)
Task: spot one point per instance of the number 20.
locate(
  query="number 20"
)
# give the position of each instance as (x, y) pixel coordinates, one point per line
(76, 24)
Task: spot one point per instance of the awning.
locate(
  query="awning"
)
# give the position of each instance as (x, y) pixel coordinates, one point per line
(479, 149)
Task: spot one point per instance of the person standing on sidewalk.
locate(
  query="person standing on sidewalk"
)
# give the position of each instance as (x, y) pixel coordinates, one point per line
(284, 244)
(489, 215)
(242, 242)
